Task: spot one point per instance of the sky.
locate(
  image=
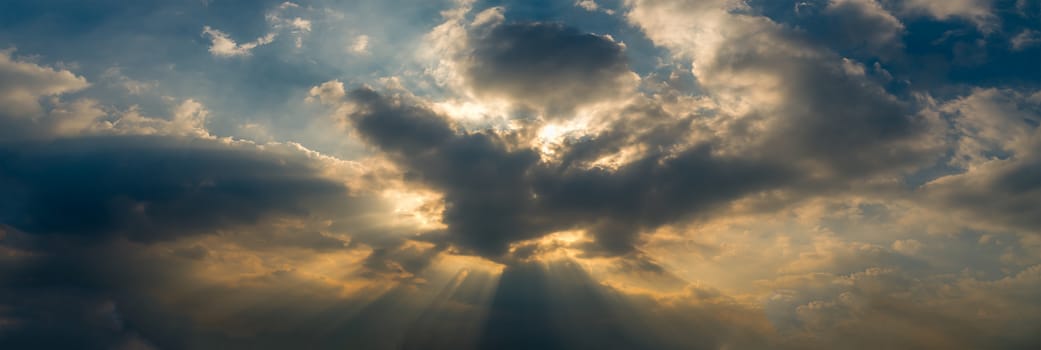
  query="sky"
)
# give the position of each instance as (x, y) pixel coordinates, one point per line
(545, 174)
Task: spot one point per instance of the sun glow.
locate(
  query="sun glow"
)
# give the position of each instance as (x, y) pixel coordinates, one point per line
(419, 208)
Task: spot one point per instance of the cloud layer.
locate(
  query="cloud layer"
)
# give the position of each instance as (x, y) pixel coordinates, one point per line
(667, 174)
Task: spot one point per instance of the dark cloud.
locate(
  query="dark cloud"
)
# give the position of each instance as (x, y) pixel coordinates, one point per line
(1008, 196)
(559, 306)
(101, 297)
(487, 197)
(495, 196)
(547, 65)
(845, 124)
(154, 188)
(70, 277)
(1004, 195)
(53, 295)
(654, 190)
(123, 295)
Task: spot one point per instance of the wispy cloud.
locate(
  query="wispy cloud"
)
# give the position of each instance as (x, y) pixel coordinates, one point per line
(222, 45)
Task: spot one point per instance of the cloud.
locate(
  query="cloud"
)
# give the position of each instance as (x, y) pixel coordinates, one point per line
(160, 189)
(222, 45)
(789, 98)
(23, 84)
(886, 307)
(329, 92)
(491, 16)
(975, 11)
(32, 106)
(687, 175)
(137, 220)
(280, 20)
(298, 26)
(997, 152)
(547, 65)
(495, 196)
(558, 305)
(360, 45)
(1025, 39)
(138, 207)
(588, 5)
(850, 20)
(908, 247)
(35, 109)
(134, 87)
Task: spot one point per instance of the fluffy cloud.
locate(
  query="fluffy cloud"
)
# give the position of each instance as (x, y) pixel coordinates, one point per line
(35, 110)
(25, 83)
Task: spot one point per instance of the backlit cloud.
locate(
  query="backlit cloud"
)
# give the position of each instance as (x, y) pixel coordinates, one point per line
(630, 174)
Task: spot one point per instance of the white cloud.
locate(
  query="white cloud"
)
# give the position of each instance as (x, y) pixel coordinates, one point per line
(852, 68)
(24, 83)
(300, 24)
(31, 104)
(360, 46)
(592, 6)
(187, 118)
(74, 117)
(993, 121)
(588, 5)
(490, 16)
(330, 92)
(286, 17)
(31, 107)
(222, 45)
